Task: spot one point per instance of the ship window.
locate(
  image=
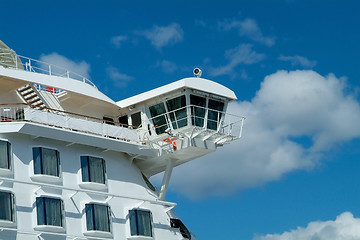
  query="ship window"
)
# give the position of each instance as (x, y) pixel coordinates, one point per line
(108, 120)
(5, 155)
(140, 223)
(7, 212)
(46, 161)
(49, 211)
(197, 110)
(124, 120)
(177, 223)
(136, 119)
(214, 114)
(97, 217)
(177, 111)
(158, 117)
(93, 169)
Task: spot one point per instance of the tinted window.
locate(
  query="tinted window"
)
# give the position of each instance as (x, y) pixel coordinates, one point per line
(197, 110)
(49, 211)
(177, 117)
(46, 161)
(5, 155)
(97, 217)
(140, 223)
(93, 169)
(158, 117)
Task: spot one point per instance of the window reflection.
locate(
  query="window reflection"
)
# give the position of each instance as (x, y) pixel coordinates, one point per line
(158, 117)
(178, 117)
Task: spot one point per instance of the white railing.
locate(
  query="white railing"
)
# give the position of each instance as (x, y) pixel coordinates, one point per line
(9, 59)
(69, 121)
(209, 119)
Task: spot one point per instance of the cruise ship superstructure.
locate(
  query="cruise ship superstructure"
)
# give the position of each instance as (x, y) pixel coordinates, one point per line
(74, 164)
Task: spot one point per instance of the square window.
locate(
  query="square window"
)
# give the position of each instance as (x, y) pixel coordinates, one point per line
(46, 161)
(49, 211)
(93, 169)
(7, 209)
(5, 155)
(140, 223)
(98, 217)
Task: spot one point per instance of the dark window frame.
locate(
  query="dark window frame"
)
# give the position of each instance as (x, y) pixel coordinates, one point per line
(41, 205)
(90, 215)
(135, 230)
(39, 168)
(86, 175)
(7, 155)
(12, 209)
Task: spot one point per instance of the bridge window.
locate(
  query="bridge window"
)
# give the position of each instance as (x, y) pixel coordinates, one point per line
(158, 112)
(214, 114)
(136, 119)
(177, 111)
(197, 110)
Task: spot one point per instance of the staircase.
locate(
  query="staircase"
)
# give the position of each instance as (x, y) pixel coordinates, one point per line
(31, 96)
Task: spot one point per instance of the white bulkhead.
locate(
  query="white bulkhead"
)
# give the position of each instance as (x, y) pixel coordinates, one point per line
(74, 164)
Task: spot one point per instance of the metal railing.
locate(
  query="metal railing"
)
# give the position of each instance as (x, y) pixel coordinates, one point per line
(206, 118)
(9, 59)
(68, 121)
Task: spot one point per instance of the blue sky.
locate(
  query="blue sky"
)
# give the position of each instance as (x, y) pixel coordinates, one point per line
(294, 66)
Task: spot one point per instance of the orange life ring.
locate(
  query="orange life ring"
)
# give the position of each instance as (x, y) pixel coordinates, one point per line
(171, 142)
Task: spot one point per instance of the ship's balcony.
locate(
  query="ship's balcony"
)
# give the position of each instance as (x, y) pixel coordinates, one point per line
(69, 121)
(9, 59)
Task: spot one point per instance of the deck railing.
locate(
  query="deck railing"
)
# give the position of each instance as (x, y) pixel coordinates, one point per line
(9, 59)
(69, 121)
(204, 118)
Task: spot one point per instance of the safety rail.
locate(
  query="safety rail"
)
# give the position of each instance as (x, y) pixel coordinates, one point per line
(70, 121)
(9, 59)
(201, 117)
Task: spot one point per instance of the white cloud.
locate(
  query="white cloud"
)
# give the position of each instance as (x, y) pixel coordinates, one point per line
(345, 227)
(289, 105)
(120, 79)
(117, 40)
(298, 61)
(167, 66)
(248, 28)
(242, 54)
(82, 67)
(161, 36)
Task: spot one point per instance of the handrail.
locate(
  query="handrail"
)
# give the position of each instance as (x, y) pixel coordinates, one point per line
(9, 59)
(67, 120)
(223, 119)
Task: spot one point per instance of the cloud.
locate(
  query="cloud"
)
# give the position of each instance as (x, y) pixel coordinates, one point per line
(82, 67)
(117, 40)
(167, 66)
(289, 107)
(298, 61)
(242, 54)
(161, 36)
(120, 79)
(247, 28)
(345, 227)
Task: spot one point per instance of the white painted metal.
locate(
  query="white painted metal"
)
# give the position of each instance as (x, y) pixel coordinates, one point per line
(71, 122)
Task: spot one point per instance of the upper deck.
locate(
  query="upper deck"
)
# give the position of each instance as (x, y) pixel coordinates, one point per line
(181, 121)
